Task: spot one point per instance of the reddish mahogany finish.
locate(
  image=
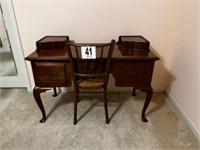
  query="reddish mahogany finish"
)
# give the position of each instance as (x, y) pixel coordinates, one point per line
(130, 68)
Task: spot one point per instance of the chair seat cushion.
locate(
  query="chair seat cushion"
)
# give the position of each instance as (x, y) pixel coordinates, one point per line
(90, 84)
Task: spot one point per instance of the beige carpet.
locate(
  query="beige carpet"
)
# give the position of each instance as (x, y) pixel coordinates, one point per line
(20, 128)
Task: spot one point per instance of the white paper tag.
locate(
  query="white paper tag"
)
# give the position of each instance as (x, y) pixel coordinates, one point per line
(88, 52)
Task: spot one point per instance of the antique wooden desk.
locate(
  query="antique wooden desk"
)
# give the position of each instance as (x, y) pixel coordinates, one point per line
(130, 68)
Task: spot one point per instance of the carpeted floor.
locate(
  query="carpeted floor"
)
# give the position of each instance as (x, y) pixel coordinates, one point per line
(20, 128)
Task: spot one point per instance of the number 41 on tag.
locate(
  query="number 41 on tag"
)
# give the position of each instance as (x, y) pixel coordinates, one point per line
(88, 52)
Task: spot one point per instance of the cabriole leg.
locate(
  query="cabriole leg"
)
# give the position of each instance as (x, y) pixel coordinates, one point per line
(149, 92)
(36, 94)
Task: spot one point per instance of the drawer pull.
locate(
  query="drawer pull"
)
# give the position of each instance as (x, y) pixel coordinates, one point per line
(135, 74)
(52, 74)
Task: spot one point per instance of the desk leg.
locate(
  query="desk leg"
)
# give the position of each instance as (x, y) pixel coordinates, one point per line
(55, 92)
(149, 92)
(36, 94)
(134, 92)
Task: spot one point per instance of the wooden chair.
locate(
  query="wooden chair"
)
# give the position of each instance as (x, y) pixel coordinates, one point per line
(90, 74)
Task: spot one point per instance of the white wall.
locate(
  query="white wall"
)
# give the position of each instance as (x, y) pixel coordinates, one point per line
(185, 72)
(98, 21)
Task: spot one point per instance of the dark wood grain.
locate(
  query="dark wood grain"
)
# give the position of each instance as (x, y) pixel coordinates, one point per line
(51, 68)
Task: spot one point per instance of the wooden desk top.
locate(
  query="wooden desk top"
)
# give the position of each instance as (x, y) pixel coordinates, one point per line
(118, 54)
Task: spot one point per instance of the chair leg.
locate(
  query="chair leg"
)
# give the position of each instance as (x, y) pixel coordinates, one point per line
(106, 106)
(75, 109)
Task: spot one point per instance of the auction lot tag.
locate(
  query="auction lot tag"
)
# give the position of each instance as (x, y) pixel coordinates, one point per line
(88, 52)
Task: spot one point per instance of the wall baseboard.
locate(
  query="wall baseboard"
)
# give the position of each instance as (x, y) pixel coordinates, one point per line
(183, 115)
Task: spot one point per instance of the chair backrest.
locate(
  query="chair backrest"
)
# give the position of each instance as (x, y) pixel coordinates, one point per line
(90, 60)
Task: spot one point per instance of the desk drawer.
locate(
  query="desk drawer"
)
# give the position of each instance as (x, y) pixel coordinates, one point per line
(51, 74)
(133, 73)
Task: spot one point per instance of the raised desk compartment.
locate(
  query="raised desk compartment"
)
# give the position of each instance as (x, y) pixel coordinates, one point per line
(134, 43)
(133, 73)
(52, 74)
(52, 42)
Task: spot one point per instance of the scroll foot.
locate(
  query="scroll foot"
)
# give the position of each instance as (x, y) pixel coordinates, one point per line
(43, 120)
(144, 119)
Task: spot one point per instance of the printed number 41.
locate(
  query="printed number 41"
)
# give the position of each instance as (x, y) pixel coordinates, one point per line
(88, 52)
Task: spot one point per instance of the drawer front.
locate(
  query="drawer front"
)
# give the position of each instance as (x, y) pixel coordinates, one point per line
(51, 74)
(133, 73)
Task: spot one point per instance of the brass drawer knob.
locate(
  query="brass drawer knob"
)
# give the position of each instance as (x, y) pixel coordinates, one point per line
(135, 74)
(51, 74)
